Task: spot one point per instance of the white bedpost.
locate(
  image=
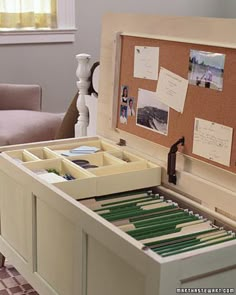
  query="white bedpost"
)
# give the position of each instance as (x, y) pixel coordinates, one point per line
(82, 73)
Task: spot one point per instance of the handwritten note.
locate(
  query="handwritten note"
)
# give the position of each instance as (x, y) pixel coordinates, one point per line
(172, 89)
(212, 141)
(146, 62)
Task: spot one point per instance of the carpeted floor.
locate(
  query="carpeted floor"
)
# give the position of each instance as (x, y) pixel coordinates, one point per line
(11, 282)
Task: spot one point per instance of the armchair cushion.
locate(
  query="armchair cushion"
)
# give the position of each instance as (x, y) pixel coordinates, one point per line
(20, 97)
(23, 126)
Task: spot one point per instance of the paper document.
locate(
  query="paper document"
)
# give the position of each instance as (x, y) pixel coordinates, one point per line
(146, 62)
(85, 150)
(82, 150)
(172, 89)
(51, 177)
(212, 141)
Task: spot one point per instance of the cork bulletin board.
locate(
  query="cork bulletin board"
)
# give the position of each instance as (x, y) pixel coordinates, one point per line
(203, 103)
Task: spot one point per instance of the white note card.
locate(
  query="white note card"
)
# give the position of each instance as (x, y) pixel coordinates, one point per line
(212, 141)
(172, 89)
(146, 62)
(51, 177)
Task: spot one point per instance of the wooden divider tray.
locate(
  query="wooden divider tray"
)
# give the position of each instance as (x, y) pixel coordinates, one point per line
(110, 169)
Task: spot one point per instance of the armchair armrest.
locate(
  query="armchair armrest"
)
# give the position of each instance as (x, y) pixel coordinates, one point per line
(20, 97)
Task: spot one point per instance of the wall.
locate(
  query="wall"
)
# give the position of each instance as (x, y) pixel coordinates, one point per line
(90, 30)
(231, 10)
(53, 66)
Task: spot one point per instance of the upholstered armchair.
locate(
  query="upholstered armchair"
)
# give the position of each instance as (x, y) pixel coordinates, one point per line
(21, 118)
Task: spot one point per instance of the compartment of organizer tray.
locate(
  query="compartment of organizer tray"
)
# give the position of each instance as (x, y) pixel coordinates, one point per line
(125, 177)
(59, 167)
(66, 149)
(22, 156)
(81, 184)
(96, 160)
(125, 156)
(43, 153)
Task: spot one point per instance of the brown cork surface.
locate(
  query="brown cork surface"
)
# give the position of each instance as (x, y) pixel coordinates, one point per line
(203, 103)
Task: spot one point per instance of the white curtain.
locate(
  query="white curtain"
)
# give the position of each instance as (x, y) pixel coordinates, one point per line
(28, 14)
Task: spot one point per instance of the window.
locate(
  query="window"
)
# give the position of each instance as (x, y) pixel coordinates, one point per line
(18, 14)
(37, 21)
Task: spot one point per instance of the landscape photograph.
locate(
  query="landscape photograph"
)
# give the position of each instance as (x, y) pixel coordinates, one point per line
(151, 113)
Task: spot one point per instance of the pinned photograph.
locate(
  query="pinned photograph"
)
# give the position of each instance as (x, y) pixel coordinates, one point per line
(206, 69)
(123, 114)
(131, 111)
(151, 113)
(124, 93)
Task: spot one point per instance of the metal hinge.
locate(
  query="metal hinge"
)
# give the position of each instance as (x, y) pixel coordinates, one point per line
(122, 142)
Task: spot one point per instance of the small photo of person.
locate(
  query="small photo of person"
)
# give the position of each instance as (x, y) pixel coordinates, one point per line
(124, 93)
(123, 114)
(206, 69)
(131, 111)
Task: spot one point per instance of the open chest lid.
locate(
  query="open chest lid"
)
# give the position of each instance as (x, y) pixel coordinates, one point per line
(203, 180)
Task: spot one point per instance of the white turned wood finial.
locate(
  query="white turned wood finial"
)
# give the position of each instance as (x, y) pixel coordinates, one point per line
(83, 74)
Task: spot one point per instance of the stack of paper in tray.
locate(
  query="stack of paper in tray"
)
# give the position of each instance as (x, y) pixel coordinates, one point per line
(82, 150)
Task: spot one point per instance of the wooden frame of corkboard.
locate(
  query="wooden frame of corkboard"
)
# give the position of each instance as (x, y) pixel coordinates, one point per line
(195, 177)
(195, 30)
(203, 103)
